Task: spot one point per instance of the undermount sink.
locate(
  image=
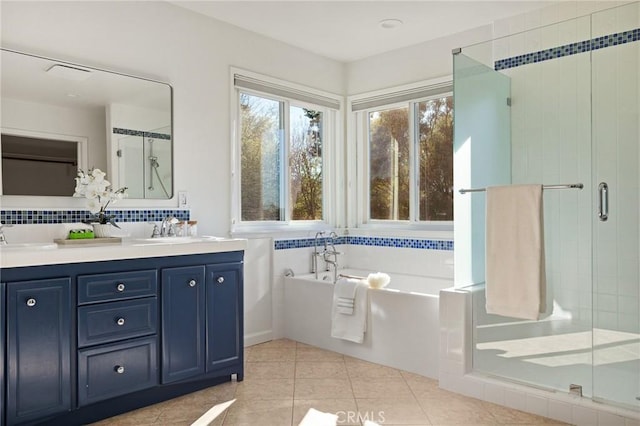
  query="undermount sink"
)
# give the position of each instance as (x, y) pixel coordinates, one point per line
(27, 246)
(174, 240)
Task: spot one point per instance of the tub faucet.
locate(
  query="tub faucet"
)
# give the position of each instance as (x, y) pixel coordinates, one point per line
(316, 253)
(330, 254)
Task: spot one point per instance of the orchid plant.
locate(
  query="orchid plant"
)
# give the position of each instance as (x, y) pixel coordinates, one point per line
(97, 190)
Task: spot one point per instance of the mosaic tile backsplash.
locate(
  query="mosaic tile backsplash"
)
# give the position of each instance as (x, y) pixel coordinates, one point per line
(35, 217)
(569, 49)
(396, 242)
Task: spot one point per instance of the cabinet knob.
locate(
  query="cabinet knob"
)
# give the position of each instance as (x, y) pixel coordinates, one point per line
(220, 280)
(192, 283)
(120, 321)
(31, 302)
(119, 369)
(120, 287)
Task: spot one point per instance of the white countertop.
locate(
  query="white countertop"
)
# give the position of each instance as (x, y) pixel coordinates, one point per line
(35, 255)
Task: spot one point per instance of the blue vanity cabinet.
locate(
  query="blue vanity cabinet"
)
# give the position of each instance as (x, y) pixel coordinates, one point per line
(2, 376)
(89, 340)
(224, 316)
(183, 323)
(38, 349)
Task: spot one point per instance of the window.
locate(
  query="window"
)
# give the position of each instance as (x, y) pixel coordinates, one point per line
(407, 139)
(283, 138)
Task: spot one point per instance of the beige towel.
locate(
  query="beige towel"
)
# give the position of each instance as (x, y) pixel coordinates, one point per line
(515, 270)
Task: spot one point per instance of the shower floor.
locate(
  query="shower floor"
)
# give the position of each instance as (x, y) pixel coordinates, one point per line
(555, 354)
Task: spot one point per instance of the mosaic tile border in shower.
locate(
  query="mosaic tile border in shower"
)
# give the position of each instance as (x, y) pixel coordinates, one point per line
(130, 132)
(569, 49)
(39, 217)
(395, 242)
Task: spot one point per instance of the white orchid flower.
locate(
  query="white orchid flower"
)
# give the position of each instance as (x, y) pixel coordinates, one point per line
(94, 206)
(98, 175)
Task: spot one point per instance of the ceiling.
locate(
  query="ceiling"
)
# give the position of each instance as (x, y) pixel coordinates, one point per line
(349, 30)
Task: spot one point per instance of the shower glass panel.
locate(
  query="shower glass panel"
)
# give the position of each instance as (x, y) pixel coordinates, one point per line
(482, 150)
(131, 165)
(157, 147)
(144, 164)
(549, 143)
(616, 254)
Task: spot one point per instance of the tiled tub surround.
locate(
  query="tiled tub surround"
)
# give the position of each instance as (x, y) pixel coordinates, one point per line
(427, 257)
(392, 255)
(402, 315)
(416, 260)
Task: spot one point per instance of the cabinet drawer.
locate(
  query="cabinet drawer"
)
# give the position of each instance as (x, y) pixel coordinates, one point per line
(116, 286)
(108, 371)
(108, 322)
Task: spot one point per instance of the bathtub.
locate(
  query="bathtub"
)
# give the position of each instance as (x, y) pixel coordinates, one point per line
(402, 325)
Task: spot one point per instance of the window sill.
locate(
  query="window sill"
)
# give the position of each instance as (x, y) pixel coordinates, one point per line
(280, 230)
(442, 231)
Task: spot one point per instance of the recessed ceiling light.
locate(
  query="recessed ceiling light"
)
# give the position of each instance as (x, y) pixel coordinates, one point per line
(388, 24)
(69, 73)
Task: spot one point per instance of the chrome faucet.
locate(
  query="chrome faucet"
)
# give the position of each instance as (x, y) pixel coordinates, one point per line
(316, 253)
(166, 227)
(330, 252)
(3, 239)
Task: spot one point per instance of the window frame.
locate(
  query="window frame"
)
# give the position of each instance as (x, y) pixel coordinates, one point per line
(360, 131)
(330, 158)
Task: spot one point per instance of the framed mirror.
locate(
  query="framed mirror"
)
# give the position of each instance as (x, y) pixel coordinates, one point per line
(58, 117)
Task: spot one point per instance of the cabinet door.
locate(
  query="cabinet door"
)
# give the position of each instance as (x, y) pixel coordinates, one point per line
(38, 349)
(224, 316)
(2, 382)
(183, 327)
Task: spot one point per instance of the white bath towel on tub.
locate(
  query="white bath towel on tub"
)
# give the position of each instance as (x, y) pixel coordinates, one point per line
(349, 323)
(515, 270)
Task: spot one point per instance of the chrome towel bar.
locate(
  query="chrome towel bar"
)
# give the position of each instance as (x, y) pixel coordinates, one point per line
(562, 186)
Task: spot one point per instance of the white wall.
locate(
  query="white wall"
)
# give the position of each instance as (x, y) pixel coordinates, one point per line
(412, 64)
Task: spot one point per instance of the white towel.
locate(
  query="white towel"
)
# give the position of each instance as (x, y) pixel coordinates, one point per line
(515, 270)
(350, 326)
(344, 293)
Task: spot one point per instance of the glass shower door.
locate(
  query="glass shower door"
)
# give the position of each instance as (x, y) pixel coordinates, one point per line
(616, 158)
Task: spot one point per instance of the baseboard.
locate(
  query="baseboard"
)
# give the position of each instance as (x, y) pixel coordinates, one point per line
(256, 338)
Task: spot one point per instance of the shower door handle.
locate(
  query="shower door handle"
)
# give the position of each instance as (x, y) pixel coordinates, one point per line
(603, 201)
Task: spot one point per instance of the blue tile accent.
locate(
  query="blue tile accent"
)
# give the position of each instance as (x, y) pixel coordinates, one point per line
(31, 217)
(305, 242)
(131, 132)
(394, 242)
(569, 49)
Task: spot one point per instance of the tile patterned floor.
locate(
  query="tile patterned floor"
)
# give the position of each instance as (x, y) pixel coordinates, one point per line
(283, 379)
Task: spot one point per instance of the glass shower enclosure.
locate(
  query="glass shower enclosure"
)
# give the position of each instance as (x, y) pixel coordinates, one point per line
(558, 105)
(144, 164)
